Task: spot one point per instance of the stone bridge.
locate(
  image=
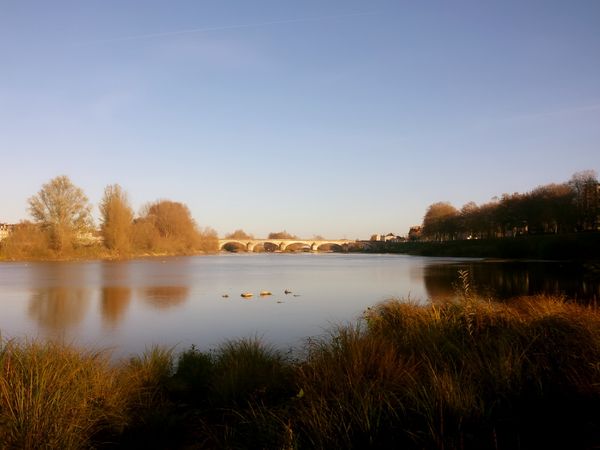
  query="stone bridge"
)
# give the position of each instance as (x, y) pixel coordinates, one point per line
(250, 245)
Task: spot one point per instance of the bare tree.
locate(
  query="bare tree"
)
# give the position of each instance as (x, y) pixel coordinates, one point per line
(63, 210)
(117, 219)
(175, 228)
(552, 208)
(145, 236)
(587, 199)
(239, 234)
(209, 240)
(440, 221)
(282, 235)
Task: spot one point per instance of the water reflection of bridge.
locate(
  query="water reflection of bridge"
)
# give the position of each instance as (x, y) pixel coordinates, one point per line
(251, 245)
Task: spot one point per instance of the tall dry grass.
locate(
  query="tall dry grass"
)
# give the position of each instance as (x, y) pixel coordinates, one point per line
(55, 396)
(468, 374)
(352, 390)
(526, 372)
(248, 370)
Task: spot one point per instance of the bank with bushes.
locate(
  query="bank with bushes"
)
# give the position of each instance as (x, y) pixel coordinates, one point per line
(574, 246)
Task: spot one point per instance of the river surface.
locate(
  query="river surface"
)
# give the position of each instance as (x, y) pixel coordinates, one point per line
(128, 306)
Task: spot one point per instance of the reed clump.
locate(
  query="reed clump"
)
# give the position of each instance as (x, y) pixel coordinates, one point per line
(352, 390)
(55, 396)
(239, 394)
(249, 370)
(524, 373)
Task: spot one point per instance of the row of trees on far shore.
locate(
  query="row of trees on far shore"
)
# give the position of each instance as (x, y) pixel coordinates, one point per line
(241, 234)
(553, 208)
(63, 226)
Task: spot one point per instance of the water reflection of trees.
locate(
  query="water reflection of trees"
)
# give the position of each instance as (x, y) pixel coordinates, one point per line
(165, 296)
(58, 307)
(504, 280)
(115, 293)
(59, 299)
(170, 282)
(114, 303)
(439, 281)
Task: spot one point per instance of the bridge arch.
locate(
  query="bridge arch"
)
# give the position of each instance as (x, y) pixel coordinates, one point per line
(331, 246)
(285, 246)
(236, 244)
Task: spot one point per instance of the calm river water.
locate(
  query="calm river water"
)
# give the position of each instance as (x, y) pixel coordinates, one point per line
(130, 305)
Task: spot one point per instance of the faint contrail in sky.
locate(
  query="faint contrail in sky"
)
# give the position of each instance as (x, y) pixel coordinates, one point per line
(225, 27)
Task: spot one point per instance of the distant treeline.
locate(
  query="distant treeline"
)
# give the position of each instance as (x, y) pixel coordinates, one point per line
(550, 209)
(63, 227)
(571, 246)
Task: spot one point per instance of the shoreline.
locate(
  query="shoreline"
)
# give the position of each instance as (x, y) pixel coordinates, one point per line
(575, 247)
(85, 258)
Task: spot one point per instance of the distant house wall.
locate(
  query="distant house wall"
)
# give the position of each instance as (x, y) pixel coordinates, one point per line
(5, 230)
(86, 238)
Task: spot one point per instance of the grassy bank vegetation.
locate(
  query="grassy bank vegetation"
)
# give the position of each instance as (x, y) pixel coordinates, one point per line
(466, 374)
(28, 242)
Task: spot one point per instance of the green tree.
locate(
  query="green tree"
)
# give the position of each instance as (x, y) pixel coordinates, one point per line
(63, 210)
(117, 219)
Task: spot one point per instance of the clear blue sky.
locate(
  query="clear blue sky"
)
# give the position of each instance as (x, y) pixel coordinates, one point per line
(339, 118)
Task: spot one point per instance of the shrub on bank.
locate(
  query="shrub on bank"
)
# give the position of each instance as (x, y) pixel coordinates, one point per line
(353, 391)
(249, 370)
(525, 373)
(573, 246)
(53, 396)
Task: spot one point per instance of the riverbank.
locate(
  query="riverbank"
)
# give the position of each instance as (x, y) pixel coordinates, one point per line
(472, 374)
(98, 253)
(575, 246)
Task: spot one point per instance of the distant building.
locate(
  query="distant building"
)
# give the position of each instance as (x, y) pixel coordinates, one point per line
(391, 237)
(83, 237)
(88, 238)
(5, 230)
